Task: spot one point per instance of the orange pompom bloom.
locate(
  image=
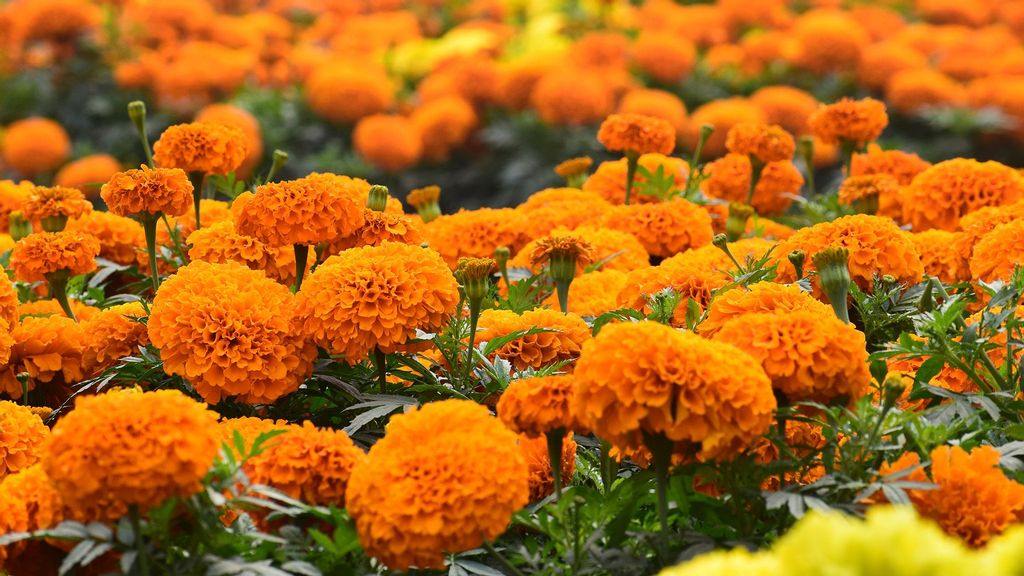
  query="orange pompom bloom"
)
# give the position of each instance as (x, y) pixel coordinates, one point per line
(27, 503)
(345, 93)
(999, 252)
(940, 195)
(691, 280)
(308, 211)
(974, 499)
(903, 166)
(765, 142)
(88, 173)
(664, 229)
(667, 57)
(121, 239)
(475, 233)
(856, 121)
(938, 259)
(561, 343)
(657, 104)
(910, 91)
(975, 225)
(22, 434)
(220, 243)
(572, 97)
(128, 448)
(828, 41)
(45, 203)
(568, 208)
(201, 147)
(637, 134)
(35, 145)
(884, 60)
(444, 125)
(148, 190)
(639, 378)
(786, 106)
(378, 228)
(879, 188)
(49, 349)
(308, 463)
(609, 180)
(729, 179)
(376, 297)
(391, 143)
(616, 250)
(722, 114)
(12, 197)
(535, 451)
(808, 354)
(228, 330)
(445, 478)
(8, 300)
(759, 297)
(52, 308)
(229, 115)
(42, 253)
(112, 334)
(538, 405)
(876, 245)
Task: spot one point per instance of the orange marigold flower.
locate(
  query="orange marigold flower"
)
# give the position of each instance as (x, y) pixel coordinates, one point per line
(518, 79)
(12, 197)
(722, 114)
(616, 250)
(729, 179)
(537, 405)
(938, 259)
(868, 190)
(445, 478)
(808, 354)
(22, 434)
(856, 121)
(593, 293)
(380, 227)
(572, 97)
(201, 147)
(609, 180)
(121, 239)
(27, 503)
(759, 297)
(568, 208)
(475, 233)
(150, 190)
(356, 188)
(307, 211)
(343, 93)
(309, 464)
(57, 202)
(219, 243)
(940, 195)
(639, 378)
(637, 134)
(535, 451)
(228, 330)
(376, 297)
(884, 60)
(52, 308)
(999, 252)
(910, 91)
(562, 245)
(876, 246)
(562, 341)
(976, 225)
(389, 142)
(974, 499)
(135, 448)
(42, 253)
(34, 145)
(664, 229)
(903, 166)
(657, 104)
(691, 280)
(8, 300)
(444, 125)
(230, 115)
(112, 334)
(786, 106)
(667, 57)
(88, 173)
(767, 143)
(828, 41)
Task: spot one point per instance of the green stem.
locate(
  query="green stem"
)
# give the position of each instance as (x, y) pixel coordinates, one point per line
(382, 369)
(502, 560)
(555, 439)
(474, 317)
(562, 289)
(197, 179)
(140, 545)
(780, 419)
(846, 149)
(58, 284)
(609, 467)
(301, 254)
(631, 162)
(661, 452)
(756, 169)
(149, 228)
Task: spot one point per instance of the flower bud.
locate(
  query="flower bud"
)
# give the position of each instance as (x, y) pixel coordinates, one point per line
(377, 199)
(736, 223)
(834, 278)
(18, 226)
(797, 258)
(426, 201)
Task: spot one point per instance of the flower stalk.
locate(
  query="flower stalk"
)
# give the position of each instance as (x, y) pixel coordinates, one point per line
(555, 439)
(632, 160)
(57, 283)
(834, 278)
(137, 113)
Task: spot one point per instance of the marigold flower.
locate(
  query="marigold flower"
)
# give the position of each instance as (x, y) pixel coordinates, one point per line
(202, 147)
(998, 253)
(828, 41)
(389, 142)
(376, 297)
(112, 334)
(88, 173)
(356, 188)
(517, 80)
(343, 93)
(554, 208)
(759, 297)
(637, 134)
(574, 167)
(445, 478)
(735, 562)
(475, 233)
(22, 435)
(128, 448)
(643, 378)
(616, 250)
(609, 180)
(121, 239)
(13, 196)
(309, 464)
(228, 330)
(535, 451)
(938, 260)
(867, 191)
(148, 190)
(35, 145)
(882, 61)
(903, 166)
(561, 342)
(664, 229)
(229, 115)
(594, 293)
(537, 405)
(667, 57)
(786, 106)
(976, 225)
(767, 143)
(691, 280)
(729, 179)
(380, 227)
(722, 114)
(563, 246)
(656, 104)
(307, 211)
(572, 97)
(27, 503)
(858, 122)
(940, 195)
(444, 125)
(58, 203)
(42, 253)
(42, 308)
(910, 91)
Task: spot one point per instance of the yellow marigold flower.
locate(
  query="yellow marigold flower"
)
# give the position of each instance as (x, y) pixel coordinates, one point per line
(121, 239)
(938, 259)
(869, 191)
(27, 503)
(88, 173)
(475, 233)
(609, 180)
(786, 106)
(538, 405)
(112, 334)
(729, 179)
(228, 330)
(828, 41)
(722, 114)
(572, 97)
(42, 253)
(708, 398)
(201, 147)
(344, 93)
(768, 143)
(35, 145)
(618, 250)
(856, 121)
(665, 56)
(910, 91)
(1002, 553)
(637, 134)
(148, 190)
(389, 142)
(380, 227)
(594, 293)
(876, 246)
(12, 197)
(376, 297)
(759, 297)
(230, 115)
(307, 211)
(134, 449)
(562, 341)
(444, 479)
(664, 229)
(998, 253)
(56, 202)
(974, 499)
(535, 451)
(574, 166)
(308, 463)
(808, 354)
(735, 562)
(22, 434)
(939, 196)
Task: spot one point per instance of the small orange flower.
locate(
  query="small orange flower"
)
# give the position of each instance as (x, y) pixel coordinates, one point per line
(616, 250)
(343, 93)
(910, 91)
(938, 259)
(42, 253)
(656, 104)
(998, 253)
(767, 143)
(828, 41)
(868, 188)
(49, 349)
(46, 202)
(637, 134)
(759, 297)
(940, 195)
(148, 190)
(859, 122)
(665, 56)
(23, 434)
(444, 124)
(112, 334)
(308, 211)
(389, 142)
(121, 239)
(609, 180)
(729, 179)
(28, 503)
(380, 227)
(202, 147)
(35, 145)
(535, 451)
(475, 233)
(786, 106)
(538, 405)
(572, 97)
(561, 341)
(664, 229)
(903, 166)
(229, 115)
(88, 173)
(568, 208)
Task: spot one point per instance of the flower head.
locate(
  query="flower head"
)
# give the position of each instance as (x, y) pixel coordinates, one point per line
(561, 340)
(42, 253)
(637, 134)
(614, 249)
(35, 145)
(859, 122)
(201, 147)
(538, 405)
(344, 93)
(786, 106)
(998, 253)
(767, 143)
(27, 503)
(308, 211)
(868, 191)
(939, 196)
(230, 115)
(609, 180)
(389, 142)
(664, 229)
(121, 239)
(759, 297)
(572, 97)
(574, 167)
(88, 173)
(557, 248)
(56, 202)
(380, 227)
(112, 334)
(22, 434)
(148, 190)
(729, 179)
(542, 480)
(736, 562)
(475, 233)
(933, 246)
(828, 41)
(665, 56)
